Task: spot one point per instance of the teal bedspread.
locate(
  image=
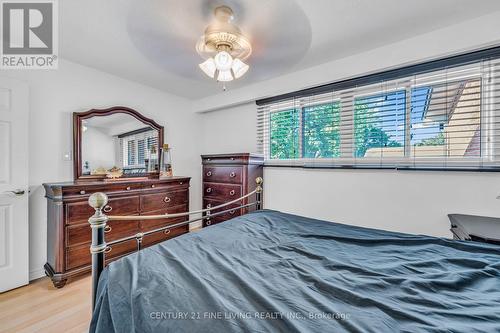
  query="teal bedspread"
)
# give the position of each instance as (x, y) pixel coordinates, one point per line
(273, 272)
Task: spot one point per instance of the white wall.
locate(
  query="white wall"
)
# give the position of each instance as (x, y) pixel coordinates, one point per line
(414, 202)
(98, 149)
(54, 95)
(230, 130)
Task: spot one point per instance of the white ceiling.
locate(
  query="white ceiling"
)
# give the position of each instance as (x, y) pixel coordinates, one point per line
(153, 41)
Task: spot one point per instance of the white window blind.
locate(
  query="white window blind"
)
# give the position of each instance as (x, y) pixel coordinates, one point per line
(444, 118)
(135, 148)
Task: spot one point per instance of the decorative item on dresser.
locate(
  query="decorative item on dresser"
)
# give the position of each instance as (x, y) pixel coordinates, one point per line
(121, 144)
(227, 177)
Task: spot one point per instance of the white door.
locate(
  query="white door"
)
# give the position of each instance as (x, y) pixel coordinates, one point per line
(14, 235)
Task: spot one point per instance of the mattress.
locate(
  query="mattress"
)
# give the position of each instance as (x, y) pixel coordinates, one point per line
(268, 271)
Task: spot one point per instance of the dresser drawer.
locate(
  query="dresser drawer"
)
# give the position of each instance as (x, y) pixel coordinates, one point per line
(147, 225)
(223, 174)
(162, 200)
(82, 233)
(171, 185)
(81, 211)
(232, 213)
(233, 210)
(78, 256)
(110, 188)
(224, 192)
(221, 159)
(161, 236)
(220, 218)
(216, 220)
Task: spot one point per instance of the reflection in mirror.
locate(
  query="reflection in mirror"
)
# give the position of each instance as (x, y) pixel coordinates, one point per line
(118, 140)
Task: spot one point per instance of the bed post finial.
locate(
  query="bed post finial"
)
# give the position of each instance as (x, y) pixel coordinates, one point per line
(258, 192)
(97, 222)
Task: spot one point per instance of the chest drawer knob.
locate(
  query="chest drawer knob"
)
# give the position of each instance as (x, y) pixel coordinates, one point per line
(128, 188)
(167, 200)
(209, 173)
(232, 174)
(209, 190)
(107, 208)
(153, 186)
(208, 222)
(232, 192)
(82, 192)
(232, 158)
(232, 212)
(209, 206)
(180, 183)
(107, 229)
(167, 231)
(108, 249)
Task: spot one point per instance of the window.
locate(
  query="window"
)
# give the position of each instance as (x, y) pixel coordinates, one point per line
(135, 147)
(446, 119)
(321, 131)
(441, 115)
(379, 123)
(306, 132)
(284, 134)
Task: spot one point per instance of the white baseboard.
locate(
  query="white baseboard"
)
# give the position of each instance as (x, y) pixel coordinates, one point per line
(36, 274)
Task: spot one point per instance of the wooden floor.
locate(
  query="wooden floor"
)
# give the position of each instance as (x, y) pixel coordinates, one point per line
(39, 307)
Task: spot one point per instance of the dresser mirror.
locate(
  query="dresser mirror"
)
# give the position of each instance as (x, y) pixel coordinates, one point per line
(115, 143)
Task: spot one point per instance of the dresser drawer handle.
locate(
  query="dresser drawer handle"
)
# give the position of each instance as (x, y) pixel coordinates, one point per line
(232, 174)
(82, 192)
(167, 200)
(166, 231)
(209, 173)
(128, 188)
(108, 249)
(209, 190)
(232, 192)
(208, 222)
(209, 206)
(153, 186)
(107, 229)
(232, 212)
(107, 208)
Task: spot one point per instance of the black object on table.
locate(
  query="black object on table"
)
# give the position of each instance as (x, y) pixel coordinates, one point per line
(476, 228)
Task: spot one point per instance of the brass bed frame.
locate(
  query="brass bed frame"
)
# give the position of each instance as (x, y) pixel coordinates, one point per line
(99, 247)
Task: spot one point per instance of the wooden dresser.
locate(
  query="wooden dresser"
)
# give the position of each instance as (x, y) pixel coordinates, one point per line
(68, 230)
(227, 177)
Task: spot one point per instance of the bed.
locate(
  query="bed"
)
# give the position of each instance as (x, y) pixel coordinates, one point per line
(268, 271)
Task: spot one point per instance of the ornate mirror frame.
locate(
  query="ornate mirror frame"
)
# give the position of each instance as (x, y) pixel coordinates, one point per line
(78, 117)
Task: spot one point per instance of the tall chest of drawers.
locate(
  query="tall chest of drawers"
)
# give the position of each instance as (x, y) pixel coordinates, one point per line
(227, 177)
(68, 211)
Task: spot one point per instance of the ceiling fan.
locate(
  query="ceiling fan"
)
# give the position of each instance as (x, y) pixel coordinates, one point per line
(224, 47)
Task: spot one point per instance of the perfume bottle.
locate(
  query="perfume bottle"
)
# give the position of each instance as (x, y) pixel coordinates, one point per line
(166, 162)
(153, 159)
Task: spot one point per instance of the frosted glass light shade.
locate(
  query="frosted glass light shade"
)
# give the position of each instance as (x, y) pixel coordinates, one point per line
(225, 76)
(223, 61)
(208, 67)
(239, 68)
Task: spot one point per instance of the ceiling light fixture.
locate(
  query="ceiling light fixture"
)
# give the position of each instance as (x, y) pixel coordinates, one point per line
(224, 48)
